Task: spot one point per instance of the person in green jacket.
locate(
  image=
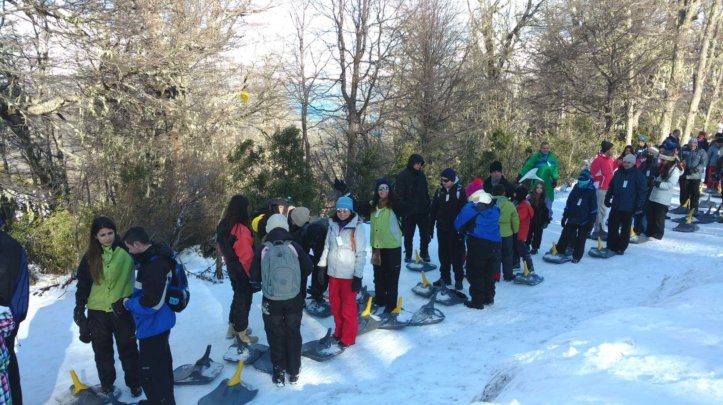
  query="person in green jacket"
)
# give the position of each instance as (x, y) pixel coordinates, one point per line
(105, 275)
(546, 164)
(509, 225)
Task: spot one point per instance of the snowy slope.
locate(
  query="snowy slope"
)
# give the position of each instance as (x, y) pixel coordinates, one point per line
(642, 328)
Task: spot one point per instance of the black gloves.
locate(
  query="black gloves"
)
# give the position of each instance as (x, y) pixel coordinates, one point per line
(255, 286)
(554, 183)
(657, 183)
(356, 284)
(608, 203)
(82, 321)
(340, 186)
(321, 275)
(563, 222)
(118, 309)
(519, 176)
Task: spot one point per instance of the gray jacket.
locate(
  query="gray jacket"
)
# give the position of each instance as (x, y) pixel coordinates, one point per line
(695, 162)
(713, 153)
(345, 249)
(664, 192)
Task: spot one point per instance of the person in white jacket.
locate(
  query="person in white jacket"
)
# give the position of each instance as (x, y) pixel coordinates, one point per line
(659, 201)
(343, 257)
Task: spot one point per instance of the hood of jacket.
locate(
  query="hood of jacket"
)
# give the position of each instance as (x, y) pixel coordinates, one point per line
(414, 159)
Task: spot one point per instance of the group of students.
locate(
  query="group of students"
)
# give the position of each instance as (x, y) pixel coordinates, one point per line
(111, 304)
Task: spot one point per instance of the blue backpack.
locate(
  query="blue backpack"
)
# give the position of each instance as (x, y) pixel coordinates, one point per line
(177, 293)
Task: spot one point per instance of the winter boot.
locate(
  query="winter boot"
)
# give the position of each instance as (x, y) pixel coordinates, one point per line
(407, 259)
(425, 257)
(278, 377)
(230, 332)
(245, 337)
(441, 282)
(293, 379)
(533, 251)
(458, 285)
(136, 392)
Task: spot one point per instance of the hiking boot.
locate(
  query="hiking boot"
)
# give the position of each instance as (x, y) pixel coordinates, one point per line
(471, 305)
(136, 392)
(108, 391)
(230, 332)
(342, 345)
(458, 285)
(510, 278)
(278, 377)
(407, 259)
(533, 251)
(441, 282)
(425, 257)
(576, 260)
(245, 337)
(293, 378)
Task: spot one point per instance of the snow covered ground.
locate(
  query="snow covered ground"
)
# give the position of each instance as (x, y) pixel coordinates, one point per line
(646, 327)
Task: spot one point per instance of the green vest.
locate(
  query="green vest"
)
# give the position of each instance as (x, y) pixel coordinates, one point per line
(117, 281)
(385, 232)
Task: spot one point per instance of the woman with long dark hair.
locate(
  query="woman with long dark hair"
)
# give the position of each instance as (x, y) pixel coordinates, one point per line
(236, 244)
(541, 206)
(105, 275)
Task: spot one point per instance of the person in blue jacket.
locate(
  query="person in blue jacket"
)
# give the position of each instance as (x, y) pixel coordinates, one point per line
(625, 197)
(154, 318)
(579, 216)
(14, 293)
(479, 222)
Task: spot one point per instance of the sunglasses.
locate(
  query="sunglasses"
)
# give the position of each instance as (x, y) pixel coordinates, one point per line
(383, 188)
(343, 210)
(446, 181)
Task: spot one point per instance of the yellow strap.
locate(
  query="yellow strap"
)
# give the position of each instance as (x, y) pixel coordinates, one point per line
(77, 385)
(236, 379)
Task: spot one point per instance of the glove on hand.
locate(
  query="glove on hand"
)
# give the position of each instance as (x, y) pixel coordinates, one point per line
(255, 286)
(554, 183)
(563, 222)
(82, 321)
(118, 308)
(356, 284)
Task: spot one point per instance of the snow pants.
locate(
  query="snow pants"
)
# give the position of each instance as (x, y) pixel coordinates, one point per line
(104, 326)
(316, 291)
(619, 230)
(507, 252)
(283, 332)
(575, 235)
(690, 190)
(522, 251)
(656, 213)
(710, 180)
(157, 369)
(451, 253)
(240, 303)
(343, 307)
(601, 211)
(386, 278)
(483, 261)
(409, 223)
(534, 238)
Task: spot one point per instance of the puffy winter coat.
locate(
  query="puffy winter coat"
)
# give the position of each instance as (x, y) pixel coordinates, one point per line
(713, 154)
(237, 247)
(446, 204)
(344, 249)
(526, 213)
(509, 221)
(486, 223)
(411, 187)
(581, 205)
(602, 169)
(663, 192)
(117, 280)
(627, 191)
(148, 301)
(695, 162)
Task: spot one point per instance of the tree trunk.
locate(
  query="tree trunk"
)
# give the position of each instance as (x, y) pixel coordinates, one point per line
(701, 73)
(715, 95)
(682, 19)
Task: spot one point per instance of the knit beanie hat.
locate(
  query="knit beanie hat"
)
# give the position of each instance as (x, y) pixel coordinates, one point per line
(449, 173)
(584, 175)
(382, 180)
(277, 221)
(495, 166)
(643, 138)
(605, 146)
(473, 187)
(344, 202)
(693, 141)
(300, 216)
(629, 158)
(521, 193)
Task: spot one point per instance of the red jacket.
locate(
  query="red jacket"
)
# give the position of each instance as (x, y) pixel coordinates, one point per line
(602, 169)
(525, 212)
(243, 246)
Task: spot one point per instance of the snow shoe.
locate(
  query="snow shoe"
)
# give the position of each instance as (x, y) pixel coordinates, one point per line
(263, 363)
(425, 288)
(638, 239)
(203, 371)
(322, 349)
(361, 299)
(390, 320)
(556, 258)
(230, 391)
(448, 297)
(367, 321)
(530, 279)
(681, 210)
(604, 253)
(319, 309)
(686, 227)
(242, 351)
(599, 234)
(420, 264)
(427, 314)
(82, 394)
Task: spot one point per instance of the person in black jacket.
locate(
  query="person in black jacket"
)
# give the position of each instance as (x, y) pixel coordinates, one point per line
(579, 216)
(154, 318)
(447, 201)
(411, 187)
(625, 197)
(496, 177)
(282, 319)
(649, 168)
(105, 275)
(311, 236)
(15, 294)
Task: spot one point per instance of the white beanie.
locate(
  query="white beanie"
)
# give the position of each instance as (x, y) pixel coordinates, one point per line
(277, 221)
(481, 196)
